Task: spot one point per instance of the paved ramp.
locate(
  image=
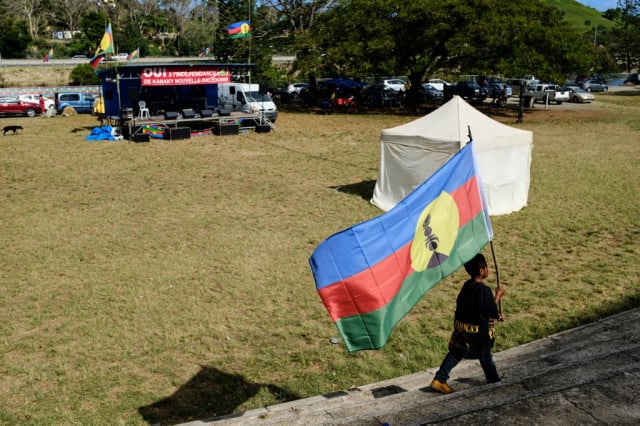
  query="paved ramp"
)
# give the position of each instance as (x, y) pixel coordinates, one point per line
(587, 375)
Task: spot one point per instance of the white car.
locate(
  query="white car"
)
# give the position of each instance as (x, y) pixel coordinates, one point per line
(295, 88)
(121, 56)
(579, 95)
(35, 99)
(395, 84)
(438, 84)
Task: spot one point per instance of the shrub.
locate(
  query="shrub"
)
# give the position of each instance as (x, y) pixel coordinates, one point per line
(83, 74)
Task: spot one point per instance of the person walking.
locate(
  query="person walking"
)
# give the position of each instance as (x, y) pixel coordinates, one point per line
(473, 334)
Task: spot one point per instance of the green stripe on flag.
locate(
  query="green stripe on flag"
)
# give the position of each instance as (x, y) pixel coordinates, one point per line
(372, 330)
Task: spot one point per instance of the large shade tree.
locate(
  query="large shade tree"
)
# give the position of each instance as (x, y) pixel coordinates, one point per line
(421, 37)
(627, 33)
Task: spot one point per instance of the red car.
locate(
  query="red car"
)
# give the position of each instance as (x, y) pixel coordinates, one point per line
(13, 106)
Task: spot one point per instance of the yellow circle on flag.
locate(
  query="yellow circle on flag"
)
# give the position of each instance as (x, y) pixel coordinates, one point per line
(435, 234)
(244, 28)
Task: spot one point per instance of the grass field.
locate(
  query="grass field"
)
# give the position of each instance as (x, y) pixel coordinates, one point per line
(168, 281)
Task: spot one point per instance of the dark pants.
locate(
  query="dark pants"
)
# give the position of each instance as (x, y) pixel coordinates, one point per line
(486, 361)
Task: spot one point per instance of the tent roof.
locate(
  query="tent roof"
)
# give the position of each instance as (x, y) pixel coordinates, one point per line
(451, 123)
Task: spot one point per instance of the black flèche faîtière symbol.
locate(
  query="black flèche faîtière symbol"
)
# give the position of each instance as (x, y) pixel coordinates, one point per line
(430, 239)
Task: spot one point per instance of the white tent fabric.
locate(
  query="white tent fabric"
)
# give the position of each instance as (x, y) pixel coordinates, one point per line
(412, 152)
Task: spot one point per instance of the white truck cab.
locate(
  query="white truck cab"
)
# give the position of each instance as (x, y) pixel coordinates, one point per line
(247, 98)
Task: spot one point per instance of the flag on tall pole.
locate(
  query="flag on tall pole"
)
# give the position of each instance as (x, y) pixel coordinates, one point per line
(241, 29)
(105, 47)
(106, 44)
(371, 275)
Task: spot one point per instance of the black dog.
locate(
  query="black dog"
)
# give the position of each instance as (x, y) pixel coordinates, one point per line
(13, 129)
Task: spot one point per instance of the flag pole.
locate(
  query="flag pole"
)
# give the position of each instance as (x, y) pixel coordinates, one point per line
(249, 54)
(495, 263)
(493, 252)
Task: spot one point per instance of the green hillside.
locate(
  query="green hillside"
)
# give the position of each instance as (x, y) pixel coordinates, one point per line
(577, 14)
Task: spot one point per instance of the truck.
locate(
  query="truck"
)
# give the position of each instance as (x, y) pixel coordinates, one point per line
(546, 93)
(248, 98)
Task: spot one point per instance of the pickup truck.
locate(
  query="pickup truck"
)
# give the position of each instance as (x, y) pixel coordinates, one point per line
(546, 93)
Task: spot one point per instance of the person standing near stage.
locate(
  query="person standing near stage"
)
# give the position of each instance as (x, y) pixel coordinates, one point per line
(43, 109)
(473, 334)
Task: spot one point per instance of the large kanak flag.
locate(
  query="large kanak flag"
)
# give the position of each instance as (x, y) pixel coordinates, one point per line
(371, 275)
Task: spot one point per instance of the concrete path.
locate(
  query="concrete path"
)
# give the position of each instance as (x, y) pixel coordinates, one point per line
(589, 375)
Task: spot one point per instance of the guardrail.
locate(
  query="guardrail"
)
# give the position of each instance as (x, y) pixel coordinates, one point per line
(48, 91)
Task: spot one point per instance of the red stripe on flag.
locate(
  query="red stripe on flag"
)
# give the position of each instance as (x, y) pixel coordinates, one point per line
(373, 288)
(467, 198)
(358, 293)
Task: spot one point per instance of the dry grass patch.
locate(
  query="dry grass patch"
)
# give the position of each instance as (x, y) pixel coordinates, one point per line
(168, 281)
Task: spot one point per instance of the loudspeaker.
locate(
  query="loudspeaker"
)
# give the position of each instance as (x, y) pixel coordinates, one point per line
(175, 133)
(141, 137)
(265, 128)
(224, 111)
(206, 113)
(188, 113)
(232, 90)
(170, 115)
(228, 129)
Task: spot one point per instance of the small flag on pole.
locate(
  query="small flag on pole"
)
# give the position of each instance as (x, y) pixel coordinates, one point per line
(205, 51)
(241, 29)
(96, 61)
(133, 55)
(48, 56)
(371, 275)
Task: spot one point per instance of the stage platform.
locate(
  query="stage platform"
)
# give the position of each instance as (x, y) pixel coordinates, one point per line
(178, 126)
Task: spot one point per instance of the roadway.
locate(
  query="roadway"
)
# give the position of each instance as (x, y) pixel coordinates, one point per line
(73, 62)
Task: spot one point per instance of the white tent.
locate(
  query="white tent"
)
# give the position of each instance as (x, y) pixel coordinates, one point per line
(414, 151)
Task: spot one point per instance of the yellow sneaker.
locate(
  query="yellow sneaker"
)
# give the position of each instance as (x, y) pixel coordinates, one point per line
(440, 387)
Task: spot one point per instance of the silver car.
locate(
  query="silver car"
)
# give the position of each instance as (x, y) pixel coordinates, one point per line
(579, 95)
(594, 86)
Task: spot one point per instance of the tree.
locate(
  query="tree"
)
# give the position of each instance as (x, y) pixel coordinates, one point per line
(83, 74)
(67, 13)
(626, 33)
(421, 37)
(14, 37)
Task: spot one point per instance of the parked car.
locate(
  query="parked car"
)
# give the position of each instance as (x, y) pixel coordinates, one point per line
(466, 89)
(81, 102)
(594, 86)
(14, 106)
(35, 99)
(438, 83)
(380, 96)
(633, 78)
(495, 90)
(395, 84)
(530, 80)
(294, 89)
(579, 95)
(429, 92)
(584, 78)
(121, 56)
(79, 57)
